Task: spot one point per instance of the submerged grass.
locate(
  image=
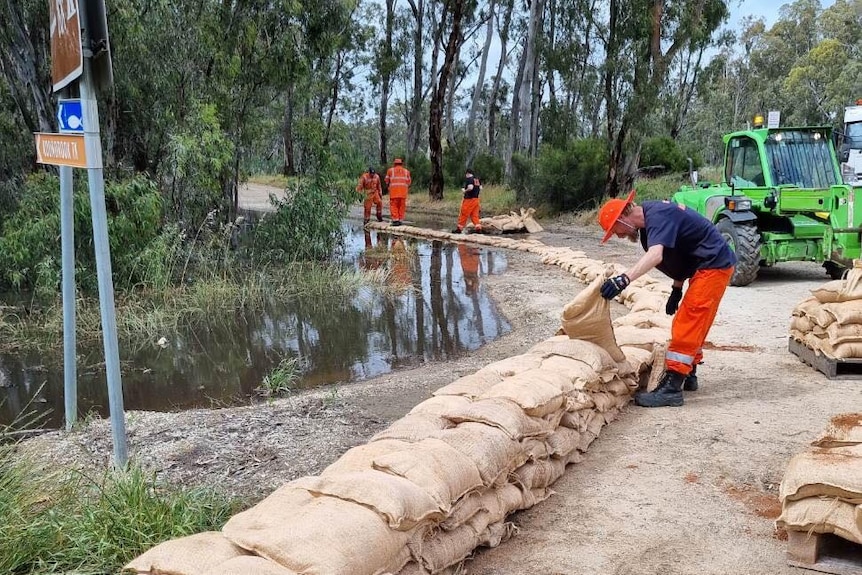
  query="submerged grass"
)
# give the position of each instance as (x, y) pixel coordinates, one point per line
(64, 521)
(145, 315)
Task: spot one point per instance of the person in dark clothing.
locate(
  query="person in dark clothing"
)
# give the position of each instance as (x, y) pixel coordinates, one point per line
(683, 245)
(470, 203)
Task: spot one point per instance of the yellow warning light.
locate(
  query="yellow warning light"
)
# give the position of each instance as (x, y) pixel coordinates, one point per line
(758, 121)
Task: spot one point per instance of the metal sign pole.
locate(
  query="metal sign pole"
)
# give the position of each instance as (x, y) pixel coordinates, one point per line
(67, 234)
(96, 181)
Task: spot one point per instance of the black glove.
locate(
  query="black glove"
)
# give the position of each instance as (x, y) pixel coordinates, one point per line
(673, 301)
(613, 286)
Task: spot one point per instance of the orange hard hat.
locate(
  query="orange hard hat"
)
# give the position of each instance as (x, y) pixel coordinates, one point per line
(398, 161)
(611, 212)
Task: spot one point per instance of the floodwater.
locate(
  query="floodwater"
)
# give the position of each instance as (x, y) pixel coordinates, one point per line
(445, 312)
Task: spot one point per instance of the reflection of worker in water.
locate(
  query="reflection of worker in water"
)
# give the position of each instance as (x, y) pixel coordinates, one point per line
(368, 259)
(400, 262)
(469, 257)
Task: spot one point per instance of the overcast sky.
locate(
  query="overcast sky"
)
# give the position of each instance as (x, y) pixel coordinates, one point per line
(766, 8)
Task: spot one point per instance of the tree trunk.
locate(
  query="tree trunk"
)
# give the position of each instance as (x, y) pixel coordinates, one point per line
(480, 84)
(289, 167)
(515, 117)
(530, 65)
(435, 190)
(493, 107)
(333, 101)
(414, 125)
(386, 81)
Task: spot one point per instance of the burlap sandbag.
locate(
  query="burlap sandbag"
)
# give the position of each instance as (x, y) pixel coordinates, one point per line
(651, 303)
(413, 427)
(643, 338)
(493, 452)
(540, 473)
(441, 405)
(512, 365)
(442, 471)
(250, 565)
(842, 290)
(644, 319)
(802, 323)
(588, 318)
(472, 385)
(832, 472)
(839, 333)
(823, 515)
(503, 414)
(192, 555)
(844, 429)
(579, 374)
(638, 357)
(494, 504)
(658, 366)
(319, 535)
(534, 396)
(448, 548)
(596, 357)
(847, 313)
(402, 503)
(563, 442)
(361, 457)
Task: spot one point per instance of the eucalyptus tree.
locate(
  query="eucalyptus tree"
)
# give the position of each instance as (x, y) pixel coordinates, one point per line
(479, 86)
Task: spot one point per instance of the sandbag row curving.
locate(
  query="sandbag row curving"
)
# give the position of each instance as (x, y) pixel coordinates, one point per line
(423, 494)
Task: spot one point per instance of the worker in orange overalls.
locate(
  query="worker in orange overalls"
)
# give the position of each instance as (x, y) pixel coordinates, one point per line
(683, 245)
(369, 182)
(398, 180)
(470, 203)
(469, 256)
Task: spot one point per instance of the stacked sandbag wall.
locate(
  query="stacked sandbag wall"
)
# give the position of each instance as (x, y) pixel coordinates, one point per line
(830, 321)
(822, 488)
(423, 494)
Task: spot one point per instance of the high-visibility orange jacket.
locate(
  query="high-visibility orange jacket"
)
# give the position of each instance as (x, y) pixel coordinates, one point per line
(369, 183)
(398, 179)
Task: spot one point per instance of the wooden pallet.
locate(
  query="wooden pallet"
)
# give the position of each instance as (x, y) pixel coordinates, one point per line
(850, 368)
(824, 553)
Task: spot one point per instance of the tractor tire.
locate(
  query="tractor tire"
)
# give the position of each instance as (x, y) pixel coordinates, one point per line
(744, 240)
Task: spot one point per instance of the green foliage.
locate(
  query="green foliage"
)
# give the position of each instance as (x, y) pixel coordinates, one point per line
(663, 151)
(420, 173)
(660, 188)
(30, 252)
(283, 378)
(56, 522)
(570, 178)
(306, 225)
(488, 169)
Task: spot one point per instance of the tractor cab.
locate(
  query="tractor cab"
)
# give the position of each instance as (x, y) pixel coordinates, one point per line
(782, 199)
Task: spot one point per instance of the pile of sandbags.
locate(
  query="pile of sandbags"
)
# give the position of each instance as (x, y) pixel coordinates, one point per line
(822, 488)
(512, 223)
(830, 321)
(423, 494)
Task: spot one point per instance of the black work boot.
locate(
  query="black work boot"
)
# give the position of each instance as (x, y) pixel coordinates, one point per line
(690, 383)
(667, 394)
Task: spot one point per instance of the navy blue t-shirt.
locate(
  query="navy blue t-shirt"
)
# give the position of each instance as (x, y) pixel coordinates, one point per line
(691, 242)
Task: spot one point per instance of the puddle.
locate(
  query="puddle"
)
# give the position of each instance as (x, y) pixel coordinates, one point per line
(445, 313)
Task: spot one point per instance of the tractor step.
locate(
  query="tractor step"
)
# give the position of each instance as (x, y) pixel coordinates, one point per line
(824, 552)
(849, 368)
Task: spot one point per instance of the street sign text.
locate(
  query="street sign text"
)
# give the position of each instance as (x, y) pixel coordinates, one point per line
(61, 150)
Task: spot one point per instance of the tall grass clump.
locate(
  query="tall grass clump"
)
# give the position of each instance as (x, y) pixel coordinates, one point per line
(61, 521)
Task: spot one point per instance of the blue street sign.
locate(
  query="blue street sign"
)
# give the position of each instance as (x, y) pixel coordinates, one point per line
(70, 115)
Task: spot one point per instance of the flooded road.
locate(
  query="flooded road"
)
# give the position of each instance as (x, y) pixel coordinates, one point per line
(443, 312)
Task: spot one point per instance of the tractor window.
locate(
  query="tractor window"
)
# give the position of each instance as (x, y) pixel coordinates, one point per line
(800, 158)
(853, 135)
(743, 163)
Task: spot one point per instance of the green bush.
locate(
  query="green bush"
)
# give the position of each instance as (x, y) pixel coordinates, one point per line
(569, 178)
(306, 225)
(663, 151)
(488, 169)
(30, 250)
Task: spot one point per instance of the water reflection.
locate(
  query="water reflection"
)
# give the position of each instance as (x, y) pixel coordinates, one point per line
(442, 313)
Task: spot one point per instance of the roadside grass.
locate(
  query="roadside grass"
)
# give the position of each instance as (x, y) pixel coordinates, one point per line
(495, 199)
(61, 521)
(283, 378)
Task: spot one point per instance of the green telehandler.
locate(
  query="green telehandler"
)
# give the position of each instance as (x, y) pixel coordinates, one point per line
(781, 199)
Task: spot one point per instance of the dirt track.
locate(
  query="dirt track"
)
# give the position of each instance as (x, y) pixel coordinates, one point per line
(666, 491)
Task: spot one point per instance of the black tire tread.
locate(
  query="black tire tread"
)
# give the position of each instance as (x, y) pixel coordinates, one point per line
(748, 244)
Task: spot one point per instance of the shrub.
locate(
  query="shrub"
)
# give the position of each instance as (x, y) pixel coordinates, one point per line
(663, 151)
(488, 169)
(570, 178)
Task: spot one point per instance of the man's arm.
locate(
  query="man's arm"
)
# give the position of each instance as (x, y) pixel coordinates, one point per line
(648, 261)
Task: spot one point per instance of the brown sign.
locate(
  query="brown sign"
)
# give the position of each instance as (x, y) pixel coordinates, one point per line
(67, 58)
(61, 150)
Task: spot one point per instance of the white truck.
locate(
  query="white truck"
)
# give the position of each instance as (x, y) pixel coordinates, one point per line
(851, 148)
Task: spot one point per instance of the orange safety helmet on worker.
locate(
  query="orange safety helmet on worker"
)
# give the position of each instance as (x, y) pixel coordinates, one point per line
(369, 182)
(398, 180)
(683, 245)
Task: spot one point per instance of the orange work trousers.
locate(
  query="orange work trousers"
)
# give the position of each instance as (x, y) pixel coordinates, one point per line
(372, 199)
(469, 210)
(694, 318)
(397, 208)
